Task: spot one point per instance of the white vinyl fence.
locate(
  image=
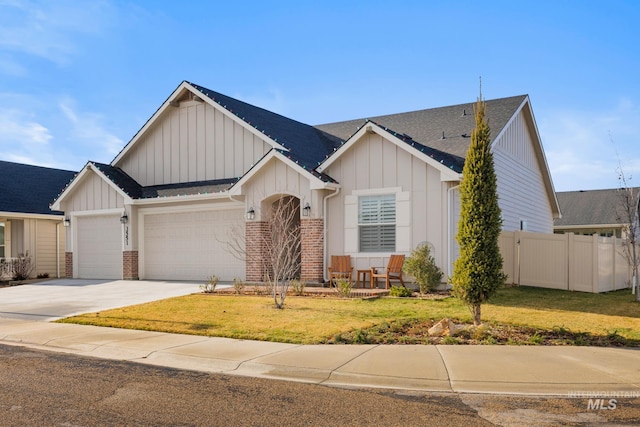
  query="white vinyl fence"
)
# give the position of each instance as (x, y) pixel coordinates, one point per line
(564, 261)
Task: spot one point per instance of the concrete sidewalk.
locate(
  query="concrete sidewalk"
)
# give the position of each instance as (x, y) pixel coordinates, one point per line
(540, 370)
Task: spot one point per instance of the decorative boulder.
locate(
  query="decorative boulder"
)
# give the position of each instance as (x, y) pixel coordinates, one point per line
(445, 328)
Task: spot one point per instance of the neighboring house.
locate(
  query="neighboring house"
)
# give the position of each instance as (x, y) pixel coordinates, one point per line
(27, 225)
(205, 168)
(590, 212)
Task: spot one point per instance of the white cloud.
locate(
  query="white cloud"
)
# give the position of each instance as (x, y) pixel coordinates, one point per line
(583, 147)
(23, 139)
(88, 129)
(41, 131)
(49, 29)
(16, 128)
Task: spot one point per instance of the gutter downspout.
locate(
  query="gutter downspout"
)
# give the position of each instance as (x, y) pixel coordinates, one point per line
(58, 249)
(450, 238)
(324, 231)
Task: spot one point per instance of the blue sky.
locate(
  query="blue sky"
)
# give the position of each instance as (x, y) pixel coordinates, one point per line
(79, 79)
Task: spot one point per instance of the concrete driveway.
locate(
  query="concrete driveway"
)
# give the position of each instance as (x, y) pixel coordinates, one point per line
(55, 299)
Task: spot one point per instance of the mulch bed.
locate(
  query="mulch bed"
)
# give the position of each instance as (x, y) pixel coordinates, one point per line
(416, 332)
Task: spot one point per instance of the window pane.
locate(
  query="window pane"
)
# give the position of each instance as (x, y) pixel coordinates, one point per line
(378, 238)
(376, 219)
(377, 209)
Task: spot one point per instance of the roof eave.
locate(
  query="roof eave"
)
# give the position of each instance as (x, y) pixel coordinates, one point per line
(181, 198)
(12, 215)
(315, 183)
(56, 205)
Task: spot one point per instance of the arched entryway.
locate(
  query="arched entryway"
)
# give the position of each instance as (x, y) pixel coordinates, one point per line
(280, 234)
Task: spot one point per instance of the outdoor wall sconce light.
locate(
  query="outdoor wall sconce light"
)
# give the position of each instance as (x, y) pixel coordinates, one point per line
(306, 210)
(124, 218)
(66, 222)
(251, 214)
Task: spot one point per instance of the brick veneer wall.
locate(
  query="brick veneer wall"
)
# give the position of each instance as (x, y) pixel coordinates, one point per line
(130, 265)
(312, 246)
(255, 250)
(68, 264)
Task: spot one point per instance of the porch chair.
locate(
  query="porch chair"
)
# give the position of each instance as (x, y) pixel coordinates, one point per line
(392, 272)
(340, 268)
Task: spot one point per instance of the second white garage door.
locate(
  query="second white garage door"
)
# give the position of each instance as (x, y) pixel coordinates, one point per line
(190, 245)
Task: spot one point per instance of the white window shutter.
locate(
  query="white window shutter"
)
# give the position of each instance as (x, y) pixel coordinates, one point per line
(403, 222)
(350, 224)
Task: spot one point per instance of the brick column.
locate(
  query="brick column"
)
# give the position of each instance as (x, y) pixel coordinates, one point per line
(256, 262)
(68, 264)
(130, 265)
(312, 246)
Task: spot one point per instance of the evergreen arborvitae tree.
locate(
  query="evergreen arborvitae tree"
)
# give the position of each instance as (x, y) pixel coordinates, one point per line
(478, 272)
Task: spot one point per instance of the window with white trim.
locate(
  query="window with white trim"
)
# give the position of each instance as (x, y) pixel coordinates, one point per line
(377, 223)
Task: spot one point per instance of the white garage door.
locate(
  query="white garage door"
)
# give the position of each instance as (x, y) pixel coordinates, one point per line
(99, 250)
(190, 245)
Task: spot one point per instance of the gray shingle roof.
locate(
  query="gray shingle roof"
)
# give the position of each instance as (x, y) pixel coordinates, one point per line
(590, 207)
(428, 126)
(30, 189)
(309, 145)
(306, 144)
(134, 190)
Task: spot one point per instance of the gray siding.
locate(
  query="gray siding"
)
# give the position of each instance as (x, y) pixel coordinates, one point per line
(521, 189)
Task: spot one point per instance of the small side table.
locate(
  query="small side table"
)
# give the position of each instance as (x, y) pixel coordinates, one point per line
(362, 277)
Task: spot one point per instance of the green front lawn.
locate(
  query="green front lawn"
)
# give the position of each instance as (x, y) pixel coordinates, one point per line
(309, 320)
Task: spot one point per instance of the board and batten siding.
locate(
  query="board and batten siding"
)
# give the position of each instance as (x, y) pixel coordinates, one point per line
(193, 142)
(521, 189)
(277, 178)
(92, 194)
(375, 165)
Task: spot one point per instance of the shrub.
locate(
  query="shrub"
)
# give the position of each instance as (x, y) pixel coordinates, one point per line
(360, 337)
(210, 286)
(400, 291)
(238, 286)
(536, 339)
(298, 287)
(343, 288)
(6, 269)
(22, 267)
(43, 276)
(421, 265)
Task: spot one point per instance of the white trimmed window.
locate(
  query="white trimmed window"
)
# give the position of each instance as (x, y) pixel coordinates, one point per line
(377, 223)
